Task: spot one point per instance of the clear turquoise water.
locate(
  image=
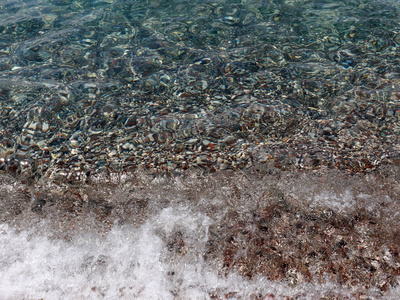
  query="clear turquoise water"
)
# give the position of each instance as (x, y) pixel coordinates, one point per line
(187, 73)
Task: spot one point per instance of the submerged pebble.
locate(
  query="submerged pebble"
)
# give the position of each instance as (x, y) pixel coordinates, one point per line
(244, 84)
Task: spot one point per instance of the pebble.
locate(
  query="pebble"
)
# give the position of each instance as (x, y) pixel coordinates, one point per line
(206, 142)
(230, 139)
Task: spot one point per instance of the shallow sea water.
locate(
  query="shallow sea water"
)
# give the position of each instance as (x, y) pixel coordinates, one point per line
(133, 253)
(202, 236)
(199, 149)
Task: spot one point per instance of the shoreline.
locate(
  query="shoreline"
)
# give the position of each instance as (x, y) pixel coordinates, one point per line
(294, 228)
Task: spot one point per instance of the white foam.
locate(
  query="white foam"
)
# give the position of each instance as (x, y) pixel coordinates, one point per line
(135, 261)
(126, 263)
(337, 202)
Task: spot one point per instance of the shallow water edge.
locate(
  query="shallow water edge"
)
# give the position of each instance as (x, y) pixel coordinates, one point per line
(265, 234)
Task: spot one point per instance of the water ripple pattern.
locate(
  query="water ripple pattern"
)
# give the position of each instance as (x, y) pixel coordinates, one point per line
(107, 86)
